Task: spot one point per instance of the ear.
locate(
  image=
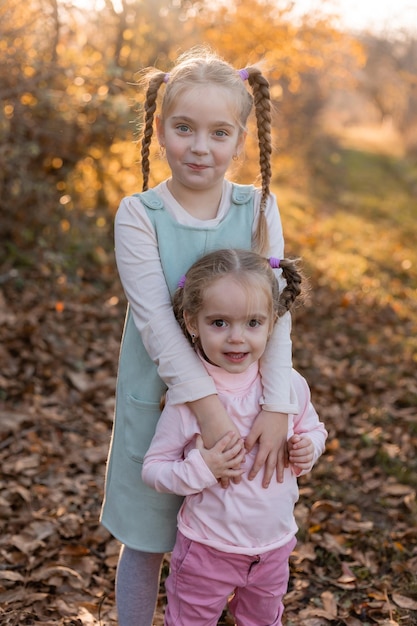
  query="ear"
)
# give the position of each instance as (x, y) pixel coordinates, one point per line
(190, 324)
(160, 132)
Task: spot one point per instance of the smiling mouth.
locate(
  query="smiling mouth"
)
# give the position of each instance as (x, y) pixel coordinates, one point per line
(236, 356)
(195, 166)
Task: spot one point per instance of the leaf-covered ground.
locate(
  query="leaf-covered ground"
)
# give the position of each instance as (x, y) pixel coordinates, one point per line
(354, 341)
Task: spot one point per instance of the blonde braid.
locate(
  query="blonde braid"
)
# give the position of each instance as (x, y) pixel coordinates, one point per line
(262, 101)
(155, 81)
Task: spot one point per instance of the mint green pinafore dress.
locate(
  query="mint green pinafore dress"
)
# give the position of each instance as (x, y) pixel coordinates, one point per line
(134, 513)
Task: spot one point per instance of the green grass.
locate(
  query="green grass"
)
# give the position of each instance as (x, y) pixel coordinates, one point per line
(356, 227)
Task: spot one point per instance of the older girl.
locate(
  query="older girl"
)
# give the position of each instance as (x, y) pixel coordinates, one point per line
(201, 126)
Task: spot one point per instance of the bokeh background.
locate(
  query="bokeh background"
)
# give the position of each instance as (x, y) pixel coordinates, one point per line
(345, 175)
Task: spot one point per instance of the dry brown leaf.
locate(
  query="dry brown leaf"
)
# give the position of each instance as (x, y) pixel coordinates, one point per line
(351, 526)
(81, 381)
(11, 421)
(352, 621)
(358, 538)
(70, 525)
(396, 489)
(26, 544)
(333, 543)
(404, 601)
(329, 603)
(304, 551)
(313, 612)
(22, 465)
(348, 579)
(56, 572)
(8, 575)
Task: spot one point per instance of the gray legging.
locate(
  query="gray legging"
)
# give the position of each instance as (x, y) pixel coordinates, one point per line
(137, 585)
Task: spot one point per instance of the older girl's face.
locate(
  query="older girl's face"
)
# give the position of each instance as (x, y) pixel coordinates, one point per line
(201, 134)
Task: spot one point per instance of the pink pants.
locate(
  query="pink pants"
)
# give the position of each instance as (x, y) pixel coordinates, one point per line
(202, 579)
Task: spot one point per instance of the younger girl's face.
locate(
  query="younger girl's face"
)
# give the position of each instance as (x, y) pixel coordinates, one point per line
(200, 134)
(233, 324)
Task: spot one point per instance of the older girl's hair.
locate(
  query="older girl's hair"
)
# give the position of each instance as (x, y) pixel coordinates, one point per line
(247, 267)
(201, 66)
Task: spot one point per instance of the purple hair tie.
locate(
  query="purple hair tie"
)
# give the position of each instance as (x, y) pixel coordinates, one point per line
(274, 262)
(181, 282)
(243, 73)
(166, 78)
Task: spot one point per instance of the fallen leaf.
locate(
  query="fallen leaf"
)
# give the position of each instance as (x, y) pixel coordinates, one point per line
(404, 602)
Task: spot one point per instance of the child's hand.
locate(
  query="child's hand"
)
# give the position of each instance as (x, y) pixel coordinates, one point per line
(301, 452)
(225, 458)
(270, 430)
(214, 422)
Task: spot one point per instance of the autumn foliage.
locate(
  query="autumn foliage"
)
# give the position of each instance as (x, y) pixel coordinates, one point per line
(345, 177)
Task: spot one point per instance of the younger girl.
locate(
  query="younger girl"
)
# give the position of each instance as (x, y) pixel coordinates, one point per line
(236, 540)
(201, 125)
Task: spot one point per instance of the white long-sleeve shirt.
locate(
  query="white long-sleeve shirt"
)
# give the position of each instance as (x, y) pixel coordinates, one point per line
(244, 518)
(141, 274)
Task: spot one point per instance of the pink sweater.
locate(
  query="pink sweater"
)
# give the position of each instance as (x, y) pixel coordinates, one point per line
(244, 518)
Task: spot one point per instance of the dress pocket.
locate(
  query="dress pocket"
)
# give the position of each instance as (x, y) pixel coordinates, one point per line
(141, 418)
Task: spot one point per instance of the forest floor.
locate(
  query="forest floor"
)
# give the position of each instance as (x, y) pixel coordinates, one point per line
(355, 341)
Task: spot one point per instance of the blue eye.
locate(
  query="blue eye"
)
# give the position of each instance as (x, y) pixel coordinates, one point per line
(183, 128)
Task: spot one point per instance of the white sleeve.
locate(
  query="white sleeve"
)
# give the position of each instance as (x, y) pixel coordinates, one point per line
(140, 270)
(168, 465)
(276, 362)
(306, 421)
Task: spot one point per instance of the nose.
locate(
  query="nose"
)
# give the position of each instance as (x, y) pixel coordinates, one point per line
(200, 144)
(236, 334)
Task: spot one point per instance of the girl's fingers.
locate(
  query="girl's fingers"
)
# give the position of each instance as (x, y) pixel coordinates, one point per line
(234, 453)
(259, 462)
(228, 442)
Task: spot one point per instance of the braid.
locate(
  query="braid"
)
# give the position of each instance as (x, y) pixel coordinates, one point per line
(155, 82)
(178, 308)
(292, 289)
(262, 101)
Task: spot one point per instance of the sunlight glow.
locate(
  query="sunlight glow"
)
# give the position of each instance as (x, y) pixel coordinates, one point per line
(373, 15)
(95, 5)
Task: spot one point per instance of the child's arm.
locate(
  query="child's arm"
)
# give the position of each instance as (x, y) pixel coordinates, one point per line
(308, 438)
(212, 418)
(141, 274)
(270, 429)
(177, 461)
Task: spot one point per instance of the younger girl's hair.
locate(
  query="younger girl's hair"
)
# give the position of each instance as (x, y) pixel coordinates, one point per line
(247, 267)
(201, 66)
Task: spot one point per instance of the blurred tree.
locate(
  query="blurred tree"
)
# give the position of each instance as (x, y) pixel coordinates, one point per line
(29, 121)
(303, 58)
(66, 107)
(69, 104)
(382, 78)
(389, 79)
